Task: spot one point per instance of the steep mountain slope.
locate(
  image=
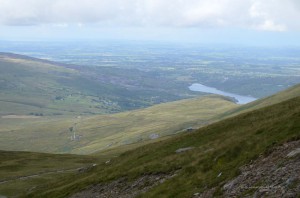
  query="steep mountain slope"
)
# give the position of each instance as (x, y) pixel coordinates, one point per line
(190, 164)
(37, 87)
(104, 132)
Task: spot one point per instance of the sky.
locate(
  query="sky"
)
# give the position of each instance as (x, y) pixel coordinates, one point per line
(267, 22)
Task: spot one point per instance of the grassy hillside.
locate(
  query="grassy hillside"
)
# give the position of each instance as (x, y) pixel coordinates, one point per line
(216, 152)
(30, 86)
(292, 92)
(21, 171)
(47, 107)
(97, 133)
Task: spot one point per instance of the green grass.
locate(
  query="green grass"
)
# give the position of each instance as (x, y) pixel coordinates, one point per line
(221, 147)
(273, 99)
(51, 134)
(34, 86)
(19, 187)
(14, 165)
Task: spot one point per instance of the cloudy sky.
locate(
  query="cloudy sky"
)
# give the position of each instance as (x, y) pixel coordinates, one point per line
(237, 21)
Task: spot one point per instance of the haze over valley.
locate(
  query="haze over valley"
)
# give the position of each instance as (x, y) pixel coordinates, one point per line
(149, 98)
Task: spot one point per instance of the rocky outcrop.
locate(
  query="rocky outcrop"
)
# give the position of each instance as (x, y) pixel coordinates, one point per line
(124, 188)
(181, 150)
(275, 175)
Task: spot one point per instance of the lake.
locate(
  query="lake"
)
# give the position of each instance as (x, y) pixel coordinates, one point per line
(202, 88)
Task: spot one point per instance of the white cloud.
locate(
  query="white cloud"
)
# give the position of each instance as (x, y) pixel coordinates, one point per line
(268, 15)
(271, 26)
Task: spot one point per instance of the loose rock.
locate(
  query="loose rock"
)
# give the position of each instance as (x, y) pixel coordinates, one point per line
(183, 149)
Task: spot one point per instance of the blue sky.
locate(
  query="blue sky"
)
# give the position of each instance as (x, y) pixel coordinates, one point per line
(257, 22)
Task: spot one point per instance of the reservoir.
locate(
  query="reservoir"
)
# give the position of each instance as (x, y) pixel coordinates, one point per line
(202, 88)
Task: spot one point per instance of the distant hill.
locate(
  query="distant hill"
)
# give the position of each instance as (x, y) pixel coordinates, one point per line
(31, 86)
(199, 163)
(83, 135)
(71, 133)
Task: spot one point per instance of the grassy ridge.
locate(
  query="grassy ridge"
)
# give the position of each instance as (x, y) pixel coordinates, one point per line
(273, 99)
(219, 148)
(104, 132)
